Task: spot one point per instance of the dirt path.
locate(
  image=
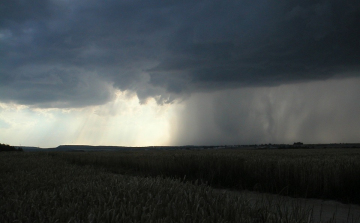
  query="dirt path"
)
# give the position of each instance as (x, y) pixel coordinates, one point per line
(318, 210)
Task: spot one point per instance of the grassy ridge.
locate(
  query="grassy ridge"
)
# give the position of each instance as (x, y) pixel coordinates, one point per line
(36, 187)
(328, 174)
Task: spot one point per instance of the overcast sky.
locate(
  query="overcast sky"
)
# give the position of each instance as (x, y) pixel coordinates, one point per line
(119, 72)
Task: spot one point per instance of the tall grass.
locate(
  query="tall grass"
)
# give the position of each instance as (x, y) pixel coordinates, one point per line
(326, 174)
(36, 187)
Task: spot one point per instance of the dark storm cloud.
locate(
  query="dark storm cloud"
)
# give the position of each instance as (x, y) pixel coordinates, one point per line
(263, 43)
(55, 87)
(168, 49)
(110, 42)
(21, 11)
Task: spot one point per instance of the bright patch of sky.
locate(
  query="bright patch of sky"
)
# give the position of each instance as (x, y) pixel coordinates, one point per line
(123, 121)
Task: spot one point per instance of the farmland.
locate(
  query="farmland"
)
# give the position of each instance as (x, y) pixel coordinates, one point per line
(319, 173)
(172, 186)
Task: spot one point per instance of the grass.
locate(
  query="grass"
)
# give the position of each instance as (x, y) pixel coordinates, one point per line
(36, 187)
(321, 173)
(172, 186)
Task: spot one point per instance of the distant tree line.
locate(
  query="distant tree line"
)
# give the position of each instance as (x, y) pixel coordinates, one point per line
(8, 148)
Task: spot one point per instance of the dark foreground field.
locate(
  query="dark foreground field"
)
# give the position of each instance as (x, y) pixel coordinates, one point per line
(173, 186)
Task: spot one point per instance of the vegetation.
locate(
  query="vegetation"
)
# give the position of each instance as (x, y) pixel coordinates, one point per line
(8, 148)
(172, 186)
(312, 173)
(36, 187)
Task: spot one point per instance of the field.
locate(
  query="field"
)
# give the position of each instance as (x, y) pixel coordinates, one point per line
(174, 186)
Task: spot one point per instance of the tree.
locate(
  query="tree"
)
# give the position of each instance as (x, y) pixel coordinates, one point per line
(8, 148)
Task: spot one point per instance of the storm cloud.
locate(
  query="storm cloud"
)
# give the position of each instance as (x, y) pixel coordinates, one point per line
(179, 72)
(262, 43)
(76, 53)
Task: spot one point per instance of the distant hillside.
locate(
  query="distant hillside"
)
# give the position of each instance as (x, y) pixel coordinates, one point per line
(66, 148)
(88, 148)
(31, 149)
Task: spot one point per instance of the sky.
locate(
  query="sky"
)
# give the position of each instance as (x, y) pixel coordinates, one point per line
(207, 72)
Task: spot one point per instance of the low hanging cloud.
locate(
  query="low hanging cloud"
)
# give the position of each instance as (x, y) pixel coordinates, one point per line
(78, 53)
(42, 86)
